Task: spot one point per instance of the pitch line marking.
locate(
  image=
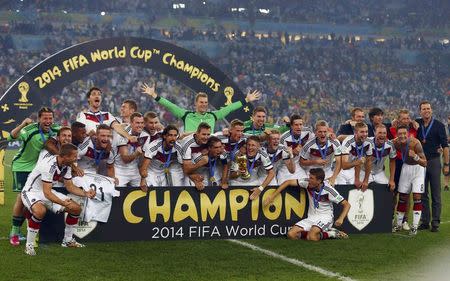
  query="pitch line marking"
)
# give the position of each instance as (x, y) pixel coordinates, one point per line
(293, 261)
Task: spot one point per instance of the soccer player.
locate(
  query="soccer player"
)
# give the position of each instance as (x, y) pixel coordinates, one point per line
(33, 137)
(234, 140)
(126, 165)
(382, 148)
(295, 139)
(127, 108)
(356, 152)
(257, 126)
(412, 177)
(94, 152)
(193, 146)
(162, 161)
(191, 119)
(318, 225)
(279, 154)
(38, 195)
(210, 169)
(79, 133)
(152, 125)
(321, 151)
(347, 128)
(94, 117)
(254, 169)
(403, 119)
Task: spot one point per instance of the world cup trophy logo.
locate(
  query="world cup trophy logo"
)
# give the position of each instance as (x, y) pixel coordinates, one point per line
(241, 161)
(23, 89)
(228, 92)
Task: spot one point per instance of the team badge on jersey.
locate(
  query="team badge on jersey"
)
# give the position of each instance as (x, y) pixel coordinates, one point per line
(361, 212)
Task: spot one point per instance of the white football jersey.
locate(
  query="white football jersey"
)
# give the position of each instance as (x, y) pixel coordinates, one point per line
(231, 147)
(321, 202)
(314, 151)
(380, 153)
(257, 167)
(92, 120)
(99, 207)
(354, 151)
(89, 158)
(160, 158)
(190, 149)
(131, 167)
(46, 170)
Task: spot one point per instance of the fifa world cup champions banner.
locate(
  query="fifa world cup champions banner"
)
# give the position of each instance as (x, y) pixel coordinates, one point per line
(185, 213)
(49, 77)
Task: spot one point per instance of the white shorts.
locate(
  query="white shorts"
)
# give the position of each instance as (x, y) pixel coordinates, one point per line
(379, 177)
(412, 179)
(323, 222)
(154, 179)
(177, 176)
(29, 198)
(283, 174)
(346, 177)
(131, 178)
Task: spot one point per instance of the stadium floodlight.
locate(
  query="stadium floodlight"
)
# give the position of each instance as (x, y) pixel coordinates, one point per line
(179, 6)
(241, 9)
(102, 13)
(264, 11)
(17, 10)
(204, 3)
(64, 11)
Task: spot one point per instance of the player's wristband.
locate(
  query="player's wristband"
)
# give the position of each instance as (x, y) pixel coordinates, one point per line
(416, 158)
(261, 188)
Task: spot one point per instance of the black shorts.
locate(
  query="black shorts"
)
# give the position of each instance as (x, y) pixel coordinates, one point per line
(19, 180)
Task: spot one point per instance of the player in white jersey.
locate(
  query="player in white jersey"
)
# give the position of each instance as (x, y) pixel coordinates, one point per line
(412, 177)
(94, 117)
(126, 164)
(318, 225)
(295, 139)
(321, 151)
(162, 161)
(92, 154)
(127, 108)
(212, 168)
(38, 195)
(152, 125)
(252, 167)
(234, 140)
(356, 152)
(193, 146)
(278, 154)
(382, 148)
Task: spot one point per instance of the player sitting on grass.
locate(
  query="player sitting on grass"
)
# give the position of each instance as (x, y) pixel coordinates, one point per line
(38, 195)
(318, 225)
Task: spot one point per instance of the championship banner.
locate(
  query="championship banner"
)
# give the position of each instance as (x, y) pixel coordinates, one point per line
(184, 213)
(50, 76)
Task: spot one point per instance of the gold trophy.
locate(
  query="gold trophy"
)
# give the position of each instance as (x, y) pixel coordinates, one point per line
(241, 161)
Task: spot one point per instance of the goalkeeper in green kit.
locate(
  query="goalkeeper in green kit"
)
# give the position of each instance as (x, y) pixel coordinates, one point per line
(191, 119)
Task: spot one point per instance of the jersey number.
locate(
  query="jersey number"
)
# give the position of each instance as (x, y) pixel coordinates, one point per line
(93, 186)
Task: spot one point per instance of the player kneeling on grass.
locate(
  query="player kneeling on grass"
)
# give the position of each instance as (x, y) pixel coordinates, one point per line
(318, 225)
(38, 195)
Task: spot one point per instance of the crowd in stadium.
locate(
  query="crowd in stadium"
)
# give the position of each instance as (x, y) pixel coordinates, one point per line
(322, 82)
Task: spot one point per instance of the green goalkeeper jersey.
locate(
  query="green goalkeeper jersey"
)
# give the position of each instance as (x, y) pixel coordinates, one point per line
(192, 119)
(33, 139)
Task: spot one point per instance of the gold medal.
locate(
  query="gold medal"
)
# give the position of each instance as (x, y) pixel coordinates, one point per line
(166, 171)
(424, 141)
(212, 180)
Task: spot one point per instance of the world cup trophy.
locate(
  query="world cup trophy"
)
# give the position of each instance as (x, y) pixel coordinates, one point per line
(241, 161)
